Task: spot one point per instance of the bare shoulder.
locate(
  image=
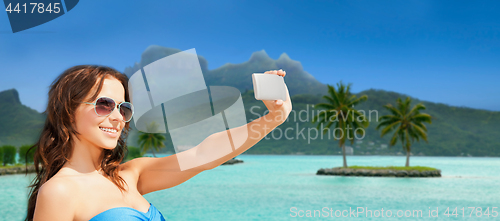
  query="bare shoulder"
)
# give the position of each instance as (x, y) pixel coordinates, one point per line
(56, 200)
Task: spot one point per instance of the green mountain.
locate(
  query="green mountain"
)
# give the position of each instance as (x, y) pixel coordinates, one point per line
(19, 124)
(455, 131)
(239, 76)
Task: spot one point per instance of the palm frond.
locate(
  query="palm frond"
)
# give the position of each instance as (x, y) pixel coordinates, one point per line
(421, 125)
(389, 128)
(388, 117)
(421, 117)
(393, 110)
(334, 98)
(358, 100)
(417, 108)
(394, 139)
(420, 131)
(387, 122)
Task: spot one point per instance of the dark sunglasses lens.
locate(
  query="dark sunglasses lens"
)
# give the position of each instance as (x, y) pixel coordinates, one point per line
(126, 111)
(104, 106)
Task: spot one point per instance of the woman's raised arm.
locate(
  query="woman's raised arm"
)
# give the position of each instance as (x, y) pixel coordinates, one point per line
(161, 173)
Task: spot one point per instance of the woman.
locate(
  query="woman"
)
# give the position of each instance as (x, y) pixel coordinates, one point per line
(83, 143)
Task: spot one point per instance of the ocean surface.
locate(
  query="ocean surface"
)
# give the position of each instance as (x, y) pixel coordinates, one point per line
(279, 187)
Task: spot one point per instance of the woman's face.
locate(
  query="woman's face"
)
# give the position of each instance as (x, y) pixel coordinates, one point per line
(91, 126)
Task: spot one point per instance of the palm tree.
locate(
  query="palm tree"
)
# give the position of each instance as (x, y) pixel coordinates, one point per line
(340, 113)
(151, 141)
(407, 124)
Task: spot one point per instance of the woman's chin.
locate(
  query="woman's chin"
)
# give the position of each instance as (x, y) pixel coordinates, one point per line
(110, 145)
(108, 148)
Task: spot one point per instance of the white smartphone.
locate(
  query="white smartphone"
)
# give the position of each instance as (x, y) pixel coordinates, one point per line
(268, 86)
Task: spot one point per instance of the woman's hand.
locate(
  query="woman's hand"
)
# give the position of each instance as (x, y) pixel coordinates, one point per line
(278, 109)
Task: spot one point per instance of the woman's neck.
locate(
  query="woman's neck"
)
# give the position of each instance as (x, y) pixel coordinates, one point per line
(85, 158)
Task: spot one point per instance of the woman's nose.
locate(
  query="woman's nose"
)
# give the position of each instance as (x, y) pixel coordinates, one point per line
(116, 115)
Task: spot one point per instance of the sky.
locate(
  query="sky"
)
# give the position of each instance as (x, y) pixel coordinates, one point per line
(439, 51)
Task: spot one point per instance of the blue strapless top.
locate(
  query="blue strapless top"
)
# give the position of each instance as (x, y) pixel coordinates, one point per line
(129, 214)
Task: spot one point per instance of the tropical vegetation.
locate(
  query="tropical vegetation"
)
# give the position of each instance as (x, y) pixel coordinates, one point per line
(26, 155)
(132, 153)
(339, 112)
(151, 141)
(8, 154)
(406, 123)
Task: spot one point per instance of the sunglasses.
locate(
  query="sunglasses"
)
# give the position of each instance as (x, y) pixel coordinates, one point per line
(104, 106)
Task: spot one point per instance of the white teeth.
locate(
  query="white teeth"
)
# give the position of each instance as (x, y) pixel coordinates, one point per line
(108, 130)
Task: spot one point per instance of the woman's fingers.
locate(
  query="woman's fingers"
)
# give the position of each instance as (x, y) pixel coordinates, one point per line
(279, 72)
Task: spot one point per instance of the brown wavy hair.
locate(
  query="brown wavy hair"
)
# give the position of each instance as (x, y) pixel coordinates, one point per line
(55, 144)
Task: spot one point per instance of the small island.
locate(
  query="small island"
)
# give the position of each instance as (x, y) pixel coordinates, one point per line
(232, 161)
(391, 171)
(17, 169)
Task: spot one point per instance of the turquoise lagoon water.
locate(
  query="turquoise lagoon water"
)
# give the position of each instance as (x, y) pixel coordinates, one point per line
(276, 187)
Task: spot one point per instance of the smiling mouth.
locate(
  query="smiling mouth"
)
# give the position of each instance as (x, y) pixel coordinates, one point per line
(109, 130)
